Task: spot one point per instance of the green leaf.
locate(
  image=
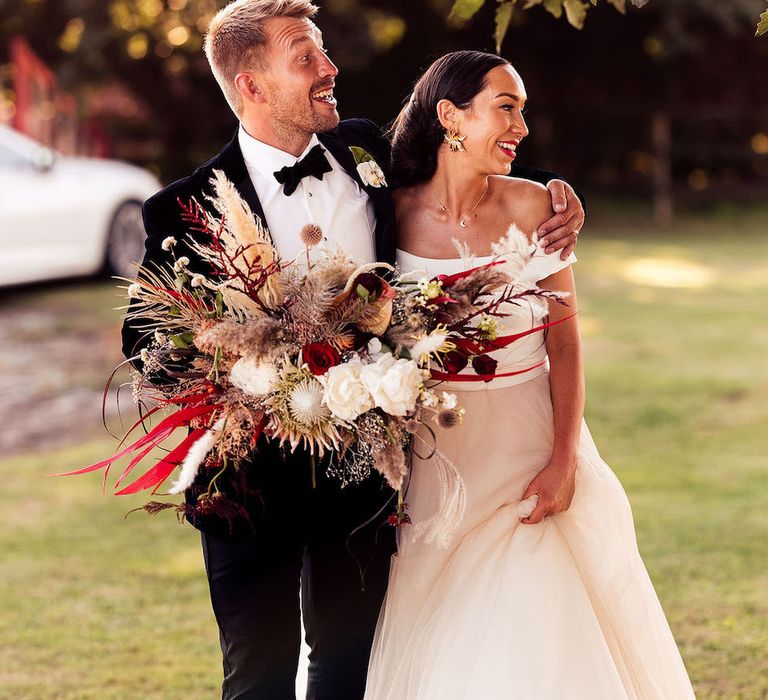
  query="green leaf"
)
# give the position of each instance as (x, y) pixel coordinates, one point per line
(504, 14)
(532, 3)
(362, 292)
(554, 7)
(466, 9)
(360, 155)
(219, 304)
(620, 5)
(762, 27)
(576, 12)
(183, 340)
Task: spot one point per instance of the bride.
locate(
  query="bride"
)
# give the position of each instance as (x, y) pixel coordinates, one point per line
(540, 593)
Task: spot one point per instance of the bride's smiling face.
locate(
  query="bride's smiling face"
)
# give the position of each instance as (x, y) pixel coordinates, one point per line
(493, 124)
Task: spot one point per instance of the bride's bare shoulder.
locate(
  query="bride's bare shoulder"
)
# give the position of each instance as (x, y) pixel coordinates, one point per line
(524, 203)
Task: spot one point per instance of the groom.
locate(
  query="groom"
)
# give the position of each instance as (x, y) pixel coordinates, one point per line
(291, 161)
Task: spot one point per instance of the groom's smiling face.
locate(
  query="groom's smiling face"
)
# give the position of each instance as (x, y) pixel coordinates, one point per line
(298, 78)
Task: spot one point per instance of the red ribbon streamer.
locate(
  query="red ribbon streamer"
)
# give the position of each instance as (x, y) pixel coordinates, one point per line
(446, 376)
(160, 472)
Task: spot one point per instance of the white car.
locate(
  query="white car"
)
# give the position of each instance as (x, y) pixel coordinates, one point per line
(63, 216)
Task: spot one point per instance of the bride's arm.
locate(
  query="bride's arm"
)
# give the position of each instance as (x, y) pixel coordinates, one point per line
(555, 483)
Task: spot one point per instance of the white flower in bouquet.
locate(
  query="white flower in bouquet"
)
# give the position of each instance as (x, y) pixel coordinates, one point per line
(427, 345)
(393, 384)
(181, 263)
(429, 398)
(448, 400)
(134, 290)
(306, 403)
(253, 377)
(168, 243)
(374, 349)
(430, 289)
(345, 394)
(198, 280)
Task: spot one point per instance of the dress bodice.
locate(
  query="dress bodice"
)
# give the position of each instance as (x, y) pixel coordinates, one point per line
(521, 354)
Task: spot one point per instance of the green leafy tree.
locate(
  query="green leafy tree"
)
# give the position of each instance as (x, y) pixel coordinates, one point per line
(762, 26)
(153, 50)
(575, 11)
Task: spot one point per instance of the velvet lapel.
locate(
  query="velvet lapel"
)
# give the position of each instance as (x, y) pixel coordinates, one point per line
(380, 196)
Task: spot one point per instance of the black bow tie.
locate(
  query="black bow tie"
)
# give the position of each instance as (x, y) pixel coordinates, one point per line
(314, 163)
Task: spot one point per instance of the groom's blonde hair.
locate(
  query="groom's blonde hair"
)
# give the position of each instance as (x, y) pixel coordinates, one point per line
(235, 39)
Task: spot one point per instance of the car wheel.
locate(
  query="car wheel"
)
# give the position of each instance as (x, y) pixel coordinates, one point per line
(125, 241)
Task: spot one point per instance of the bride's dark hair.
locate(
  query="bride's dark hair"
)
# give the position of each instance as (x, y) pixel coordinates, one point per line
(417, 133)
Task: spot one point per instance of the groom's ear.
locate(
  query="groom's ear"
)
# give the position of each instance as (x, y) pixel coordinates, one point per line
(250, 88)
(447, 113)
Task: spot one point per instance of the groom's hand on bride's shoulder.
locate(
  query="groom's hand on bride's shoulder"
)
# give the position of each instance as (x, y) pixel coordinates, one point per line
(562, 230)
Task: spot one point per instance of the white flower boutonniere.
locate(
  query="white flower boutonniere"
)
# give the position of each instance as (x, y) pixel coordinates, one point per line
(369, 170)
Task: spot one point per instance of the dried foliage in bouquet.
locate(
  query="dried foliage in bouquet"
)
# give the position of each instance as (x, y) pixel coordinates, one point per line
(331, 357)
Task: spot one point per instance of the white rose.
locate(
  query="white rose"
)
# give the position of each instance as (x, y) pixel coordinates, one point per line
(345, 394)
(394, 384)
(253, 377)
(371, 174)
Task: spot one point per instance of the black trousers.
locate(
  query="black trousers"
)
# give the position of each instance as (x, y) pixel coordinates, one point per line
(310, 539)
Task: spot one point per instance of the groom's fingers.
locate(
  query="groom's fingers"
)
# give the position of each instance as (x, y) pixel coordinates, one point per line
(555, 227)
(568, 250)
(557, 191)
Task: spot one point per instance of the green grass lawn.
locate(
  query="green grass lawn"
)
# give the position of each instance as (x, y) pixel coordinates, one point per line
(674, 324)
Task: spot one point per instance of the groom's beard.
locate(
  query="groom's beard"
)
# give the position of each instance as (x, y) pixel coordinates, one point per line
(292, 121)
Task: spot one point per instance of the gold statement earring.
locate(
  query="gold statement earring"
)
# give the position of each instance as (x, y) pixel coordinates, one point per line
(454, 140)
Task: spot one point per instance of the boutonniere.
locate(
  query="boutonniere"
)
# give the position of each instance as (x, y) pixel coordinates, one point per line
(369, 170)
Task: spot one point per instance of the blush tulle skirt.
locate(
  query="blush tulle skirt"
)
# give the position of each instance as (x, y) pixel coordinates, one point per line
(561, 610)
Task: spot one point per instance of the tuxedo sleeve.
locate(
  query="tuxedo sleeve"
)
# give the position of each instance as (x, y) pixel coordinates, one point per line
(158, 225)
(543, 176)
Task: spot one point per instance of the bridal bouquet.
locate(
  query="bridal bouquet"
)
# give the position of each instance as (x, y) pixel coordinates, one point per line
(330, 357)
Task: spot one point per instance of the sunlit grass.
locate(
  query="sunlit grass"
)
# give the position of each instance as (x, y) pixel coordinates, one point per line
(95, 606)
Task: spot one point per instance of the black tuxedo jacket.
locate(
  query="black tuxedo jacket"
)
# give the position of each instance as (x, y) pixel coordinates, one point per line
(162, 218)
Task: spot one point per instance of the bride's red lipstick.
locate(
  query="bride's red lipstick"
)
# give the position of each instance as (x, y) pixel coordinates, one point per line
(508, 147)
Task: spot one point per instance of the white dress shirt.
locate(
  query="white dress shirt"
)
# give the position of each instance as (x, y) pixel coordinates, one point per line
(336, 203)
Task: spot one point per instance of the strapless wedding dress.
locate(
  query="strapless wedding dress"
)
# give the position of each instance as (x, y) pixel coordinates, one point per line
(561, 610)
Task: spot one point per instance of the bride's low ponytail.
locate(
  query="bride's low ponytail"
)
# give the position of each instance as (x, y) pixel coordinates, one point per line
(417, 132)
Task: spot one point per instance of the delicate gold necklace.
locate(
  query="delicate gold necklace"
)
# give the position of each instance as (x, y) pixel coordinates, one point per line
(463, 220)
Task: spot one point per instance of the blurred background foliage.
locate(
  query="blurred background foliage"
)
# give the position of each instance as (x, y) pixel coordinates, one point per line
(665, 98)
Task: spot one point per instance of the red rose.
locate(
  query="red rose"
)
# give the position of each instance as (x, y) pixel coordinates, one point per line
(454, 362)
(484, 364)
(320, 357)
